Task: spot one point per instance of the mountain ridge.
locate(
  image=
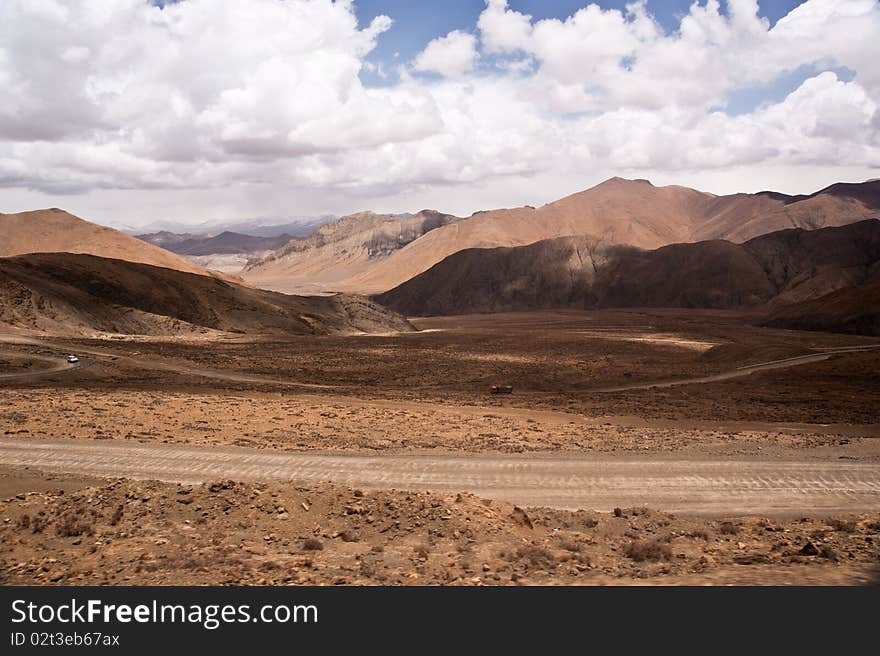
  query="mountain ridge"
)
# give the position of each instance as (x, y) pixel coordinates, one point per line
(57, 231)
(774, 270)
(615, 212)
(78, 294)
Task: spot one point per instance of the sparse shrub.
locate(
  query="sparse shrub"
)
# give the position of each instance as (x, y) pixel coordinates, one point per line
(24, 521)
(843, 525)
(38, 524)
(536, 556)
(117, 515)
(421, 551)
(651, 550)
(728, 528)
(618, 512)
(571, 545)
(348, 536)
(700, 534)
(828, 553)
(312, 544)
(73, 525)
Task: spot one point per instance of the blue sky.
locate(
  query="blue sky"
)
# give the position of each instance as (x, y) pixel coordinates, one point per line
(417, 22)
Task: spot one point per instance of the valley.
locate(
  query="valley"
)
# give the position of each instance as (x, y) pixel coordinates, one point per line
(346, 418)
(703, 412)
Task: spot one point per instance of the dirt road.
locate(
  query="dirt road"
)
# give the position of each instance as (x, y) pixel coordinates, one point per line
(232, 376)
(148, 363)
(600, 482)
(56, 365)
(744, 371)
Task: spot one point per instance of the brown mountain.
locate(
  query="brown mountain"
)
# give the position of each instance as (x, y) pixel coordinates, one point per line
(225, 243)
(228, 252)
(854, 310)
(341, 250)
(616, 212)
(62, 293)
(781, 268)
(57, 231)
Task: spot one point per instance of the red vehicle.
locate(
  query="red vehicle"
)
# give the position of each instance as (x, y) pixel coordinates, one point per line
(501, 389)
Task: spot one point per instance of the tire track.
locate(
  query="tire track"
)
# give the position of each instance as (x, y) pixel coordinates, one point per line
(599, 482)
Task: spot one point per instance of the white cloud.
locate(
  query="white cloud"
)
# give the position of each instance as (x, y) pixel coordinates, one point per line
(452, 55)
(502, 29)
(248, 108)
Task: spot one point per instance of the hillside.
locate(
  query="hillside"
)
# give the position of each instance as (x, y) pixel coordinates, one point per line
(616, 212)
(338, 251)
(57, 231)
(225, 243)
(781, 268)
(854, 310)
(68, 294)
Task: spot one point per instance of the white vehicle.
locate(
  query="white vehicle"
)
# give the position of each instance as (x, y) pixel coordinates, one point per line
(72, 359)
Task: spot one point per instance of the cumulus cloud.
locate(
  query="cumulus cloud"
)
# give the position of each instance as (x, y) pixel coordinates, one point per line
(208, 95)
(198, 82)
(452, 55)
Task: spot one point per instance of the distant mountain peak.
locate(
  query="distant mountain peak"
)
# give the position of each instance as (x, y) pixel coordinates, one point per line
(617, 180)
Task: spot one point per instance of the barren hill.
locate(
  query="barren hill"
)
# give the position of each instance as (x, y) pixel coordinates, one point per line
(57, 231)
(67, 294)
(225, 243)
(338, 251)
(228, 251)
(854, 310)
(616, 212)
(781, 268)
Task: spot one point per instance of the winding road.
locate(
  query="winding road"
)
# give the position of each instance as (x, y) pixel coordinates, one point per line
(56, 365)
(232, 376)
(595, 481)
(739, 372)
(143, 363)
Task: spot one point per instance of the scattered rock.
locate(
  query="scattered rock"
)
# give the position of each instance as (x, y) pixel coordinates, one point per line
(809, 549)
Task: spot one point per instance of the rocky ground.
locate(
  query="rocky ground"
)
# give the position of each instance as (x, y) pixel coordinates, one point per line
(61, 530)
(429, 390)
(312, 421)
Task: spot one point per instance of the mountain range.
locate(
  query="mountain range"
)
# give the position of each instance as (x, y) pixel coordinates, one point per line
(225, 243)
(340, 251)
(804, 261)
(342, 256)
(794, 267)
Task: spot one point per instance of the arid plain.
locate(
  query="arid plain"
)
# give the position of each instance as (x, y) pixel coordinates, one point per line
(787, 416)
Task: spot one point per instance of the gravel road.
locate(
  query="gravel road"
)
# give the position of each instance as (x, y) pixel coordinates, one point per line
(599, 482)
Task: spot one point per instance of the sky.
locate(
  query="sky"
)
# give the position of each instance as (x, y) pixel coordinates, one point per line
(142, 113)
